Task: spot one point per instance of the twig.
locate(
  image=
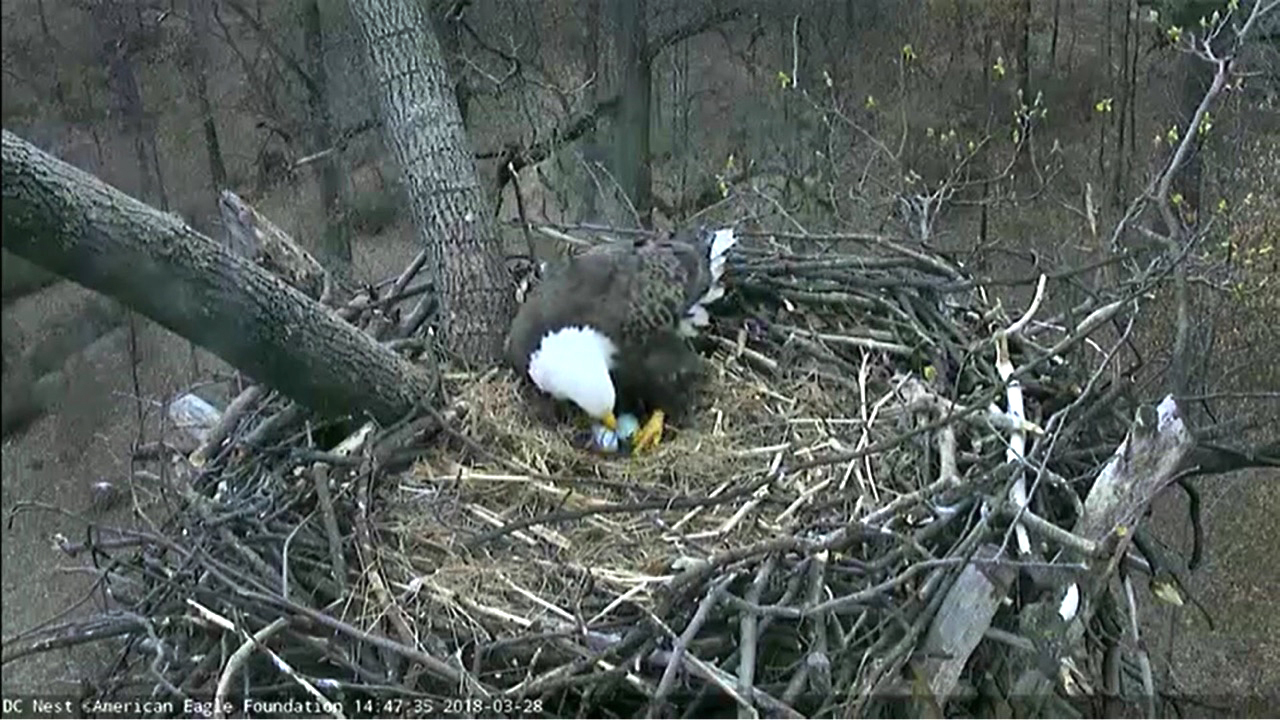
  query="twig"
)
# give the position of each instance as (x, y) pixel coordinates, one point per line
(748, 634)
(320, 480)
(1144, 660)
(682, 644)
(372, 571)
(1047, 530)
(243, 402)
(238, 659)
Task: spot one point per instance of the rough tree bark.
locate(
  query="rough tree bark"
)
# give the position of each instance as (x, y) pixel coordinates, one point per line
(116, 50)
(591, 66)
(74, 224)
(424, 130)
(631, 130)
(197, 72)
(52, 47)
(335, 247)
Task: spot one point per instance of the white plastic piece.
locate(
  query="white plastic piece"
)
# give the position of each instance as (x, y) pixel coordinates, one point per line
(194, 415)
(1070, 603)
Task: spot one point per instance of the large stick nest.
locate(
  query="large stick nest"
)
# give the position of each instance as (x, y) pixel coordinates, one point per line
(785, 549)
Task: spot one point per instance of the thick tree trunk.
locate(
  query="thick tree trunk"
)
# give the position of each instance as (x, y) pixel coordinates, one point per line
(631, 131)
(79, 227)
(592, 68)
(59, 94)
(449, 34)
(201, 33)
(335, 247)
(423, 127)
(115, 38)
(1023, 28)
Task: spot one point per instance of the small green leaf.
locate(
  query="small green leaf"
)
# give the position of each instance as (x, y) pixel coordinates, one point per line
(1206, 124)
(784, 79)
(1174, 33)
(1166, 591)
(908, 52)
(871, 102)
(999, 66)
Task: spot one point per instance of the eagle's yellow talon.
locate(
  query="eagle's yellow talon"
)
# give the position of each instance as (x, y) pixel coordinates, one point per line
(648, 437)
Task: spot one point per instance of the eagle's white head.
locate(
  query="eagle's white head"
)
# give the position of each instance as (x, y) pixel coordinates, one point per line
(573, 364)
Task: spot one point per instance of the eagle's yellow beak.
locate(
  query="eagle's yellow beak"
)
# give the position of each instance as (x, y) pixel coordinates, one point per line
(610, 421)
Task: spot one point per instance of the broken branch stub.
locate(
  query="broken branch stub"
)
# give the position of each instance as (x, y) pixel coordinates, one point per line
(1144, 464)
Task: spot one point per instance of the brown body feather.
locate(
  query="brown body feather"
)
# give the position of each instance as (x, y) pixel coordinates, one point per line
(636, 294)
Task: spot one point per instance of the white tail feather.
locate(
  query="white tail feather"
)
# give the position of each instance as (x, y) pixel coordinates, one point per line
(721, 242)
(698, 316)
(715, 293)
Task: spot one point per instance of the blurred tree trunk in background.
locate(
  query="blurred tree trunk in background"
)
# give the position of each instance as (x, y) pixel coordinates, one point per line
(334, 247)
(423, 128)
(1022, 27)
(119, 41)
(631, 130)
(592, 68)
(1196, 77)
(51, 47)
(1196, 74)
(197, 72)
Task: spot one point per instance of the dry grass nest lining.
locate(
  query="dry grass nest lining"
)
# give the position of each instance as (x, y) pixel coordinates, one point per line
(503, 462)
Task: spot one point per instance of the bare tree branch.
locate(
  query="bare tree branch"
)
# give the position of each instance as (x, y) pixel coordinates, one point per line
(77, 226)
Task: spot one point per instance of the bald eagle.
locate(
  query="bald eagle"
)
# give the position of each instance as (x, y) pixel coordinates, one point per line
(609, 329)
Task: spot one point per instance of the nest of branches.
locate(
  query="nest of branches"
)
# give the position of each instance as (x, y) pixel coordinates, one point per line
(794, 548)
